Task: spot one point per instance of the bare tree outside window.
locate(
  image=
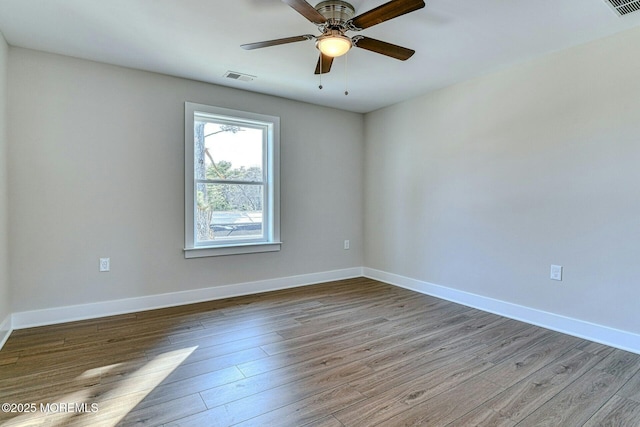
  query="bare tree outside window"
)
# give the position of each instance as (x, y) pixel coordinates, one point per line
(226, 206)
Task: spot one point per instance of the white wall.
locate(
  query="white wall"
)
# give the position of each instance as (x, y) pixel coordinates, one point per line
(480, 187)
(5, 295)
(96, 170)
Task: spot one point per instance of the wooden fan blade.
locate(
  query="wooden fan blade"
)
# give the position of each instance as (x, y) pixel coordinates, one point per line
(384, 48)
(267, 43)
(387, 11)
(326, 64)
(306, 10)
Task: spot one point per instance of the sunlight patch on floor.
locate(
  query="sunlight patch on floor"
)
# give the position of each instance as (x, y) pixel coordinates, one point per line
(104, 404)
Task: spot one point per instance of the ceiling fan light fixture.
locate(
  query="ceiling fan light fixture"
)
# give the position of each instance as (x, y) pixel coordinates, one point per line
(334, 44)
(334, 18)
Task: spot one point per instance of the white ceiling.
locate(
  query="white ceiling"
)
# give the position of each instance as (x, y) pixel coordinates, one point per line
(200, 39)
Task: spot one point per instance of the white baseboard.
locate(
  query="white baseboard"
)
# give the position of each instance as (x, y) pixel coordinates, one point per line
(51, 316)
(579, 328)
(6, 327)
(598, 333)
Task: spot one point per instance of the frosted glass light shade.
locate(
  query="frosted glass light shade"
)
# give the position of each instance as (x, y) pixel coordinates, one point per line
(334, 45)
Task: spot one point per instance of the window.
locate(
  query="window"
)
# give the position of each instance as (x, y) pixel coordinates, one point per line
(231, 182)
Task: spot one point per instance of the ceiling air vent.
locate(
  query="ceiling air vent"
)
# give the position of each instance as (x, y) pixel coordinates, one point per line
(234, 75)
(623, 7)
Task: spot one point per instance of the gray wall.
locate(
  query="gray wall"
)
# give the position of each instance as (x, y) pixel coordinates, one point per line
(96, 170)
(480, 187)
(5, 295)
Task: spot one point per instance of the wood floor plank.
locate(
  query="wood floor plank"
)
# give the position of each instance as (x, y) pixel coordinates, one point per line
(411, 369)
(390, 400)
(515, 343)
(482, 416)
(288, 394)
(246, 387)
(369, 343)
(222, 335)
(445, 407)
(341, 333)
(463, 335)
(354, 352)
(521, 399)
(593, 347)
(621, 364)
(521, 365)
(308, 410)
(172, 390)
(165, 412)
(215, 363)
(390, 307)
(8, 359)
(272, 323)
(631, 390)
(329, 421)
(575, 404)
(208, 348)
(618, 411)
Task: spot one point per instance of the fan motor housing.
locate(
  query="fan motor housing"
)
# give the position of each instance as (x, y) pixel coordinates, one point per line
(336, 12)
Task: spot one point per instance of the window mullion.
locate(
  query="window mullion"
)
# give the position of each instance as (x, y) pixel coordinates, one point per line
(227, 181)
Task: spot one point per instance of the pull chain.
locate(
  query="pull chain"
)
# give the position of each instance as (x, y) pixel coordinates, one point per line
(346, 75)
(320, 63)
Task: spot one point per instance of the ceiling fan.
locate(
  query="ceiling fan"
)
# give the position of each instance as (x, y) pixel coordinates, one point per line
(334, 18)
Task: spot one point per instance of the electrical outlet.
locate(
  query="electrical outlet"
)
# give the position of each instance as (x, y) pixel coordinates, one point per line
(105, 264)
(556, 272)
(346, 244)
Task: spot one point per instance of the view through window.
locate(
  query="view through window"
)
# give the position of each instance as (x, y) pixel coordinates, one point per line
(233, 178)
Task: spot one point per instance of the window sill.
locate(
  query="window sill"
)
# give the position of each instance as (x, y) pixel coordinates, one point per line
(249, 248)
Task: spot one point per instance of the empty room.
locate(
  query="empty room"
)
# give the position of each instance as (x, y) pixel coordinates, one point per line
(336, 213)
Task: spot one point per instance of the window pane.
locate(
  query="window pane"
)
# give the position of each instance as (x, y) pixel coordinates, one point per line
(228, 151)
(229, 211)
(232, 181)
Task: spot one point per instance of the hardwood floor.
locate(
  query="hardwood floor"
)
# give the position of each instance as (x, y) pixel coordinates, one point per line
(349, 353)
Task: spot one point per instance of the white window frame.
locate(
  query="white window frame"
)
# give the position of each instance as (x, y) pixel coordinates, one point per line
(271, 171)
